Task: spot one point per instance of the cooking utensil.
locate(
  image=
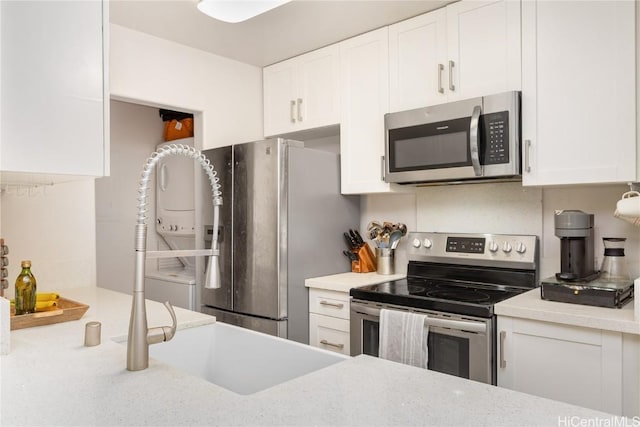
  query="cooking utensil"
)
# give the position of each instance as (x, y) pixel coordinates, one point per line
(394, 239)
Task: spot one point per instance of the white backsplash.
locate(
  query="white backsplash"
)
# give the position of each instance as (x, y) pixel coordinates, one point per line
(506, 208)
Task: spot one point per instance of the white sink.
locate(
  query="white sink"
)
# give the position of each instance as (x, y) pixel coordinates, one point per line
(238, 359)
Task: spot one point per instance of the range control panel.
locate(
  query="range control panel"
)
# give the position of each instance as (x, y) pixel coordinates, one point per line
(516, 251)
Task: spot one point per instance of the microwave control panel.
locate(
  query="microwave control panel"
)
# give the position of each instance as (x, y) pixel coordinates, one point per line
(496, 138)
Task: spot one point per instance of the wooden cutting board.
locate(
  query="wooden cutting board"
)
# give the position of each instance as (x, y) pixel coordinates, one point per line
(66, 311)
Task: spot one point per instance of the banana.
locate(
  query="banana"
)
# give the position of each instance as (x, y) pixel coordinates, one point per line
(41, 305)
(49, 296)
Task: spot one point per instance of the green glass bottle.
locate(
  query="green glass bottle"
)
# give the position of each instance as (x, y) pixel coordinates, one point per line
(25, 290)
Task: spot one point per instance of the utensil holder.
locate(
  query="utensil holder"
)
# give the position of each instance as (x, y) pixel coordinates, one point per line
(386, 257)
(366, 262)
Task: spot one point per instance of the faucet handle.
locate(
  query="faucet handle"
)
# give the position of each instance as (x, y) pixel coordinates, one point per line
(163, 333)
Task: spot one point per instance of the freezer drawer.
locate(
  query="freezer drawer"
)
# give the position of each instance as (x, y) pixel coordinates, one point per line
(276, 328)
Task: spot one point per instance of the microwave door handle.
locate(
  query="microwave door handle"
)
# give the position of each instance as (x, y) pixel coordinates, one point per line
(474, 140)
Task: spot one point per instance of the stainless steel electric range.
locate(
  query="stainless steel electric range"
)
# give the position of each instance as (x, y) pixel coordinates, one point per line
(455, 279)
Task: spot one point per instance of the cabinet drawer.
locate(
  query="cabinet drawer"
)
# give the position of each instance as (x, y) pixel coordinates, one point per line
(329, 333)
(329, 303)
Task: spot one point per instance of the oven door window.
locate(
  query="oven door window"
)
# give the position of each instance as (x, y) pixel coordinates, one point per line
(430, 146)
(449, 354)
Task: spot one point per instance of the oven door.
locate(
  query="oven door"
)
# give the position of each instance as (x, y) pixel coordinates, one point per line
(458, 345)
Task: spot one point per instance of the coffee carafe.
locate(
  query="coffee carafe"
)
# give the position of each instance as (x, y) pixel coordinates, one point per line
(614, 266)
(575, 230)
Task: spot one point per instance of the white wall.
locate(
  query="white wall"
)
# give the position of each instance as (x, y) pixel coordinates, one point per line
(148, 70)
(54, 227)
(135, 132)
(506, 208)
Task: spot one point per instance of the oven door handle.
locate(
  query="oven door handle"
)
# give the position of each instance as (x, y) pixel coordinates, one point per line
(474, 143)
(461, 325)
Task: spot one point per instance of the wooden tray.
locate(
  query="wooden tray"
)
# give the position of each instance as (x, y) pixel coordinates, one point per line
(66, 311)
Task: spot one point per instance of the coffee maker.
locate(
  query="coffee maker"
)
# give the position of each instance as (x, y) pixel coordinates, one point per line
(578, 282)
(575, 230)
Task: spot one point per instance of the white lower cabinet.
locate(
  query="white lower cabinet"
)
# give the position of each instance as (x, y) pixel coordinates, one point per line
(582, 366)
(329, 320)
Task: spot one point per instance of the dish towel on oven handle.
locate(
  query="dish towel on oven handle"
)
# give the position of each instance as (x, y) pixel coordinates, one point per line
(403, 337)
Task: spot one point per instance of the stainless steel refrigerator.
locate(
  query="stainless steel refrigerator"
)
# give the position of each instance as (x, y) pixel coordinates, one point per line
(281, 222)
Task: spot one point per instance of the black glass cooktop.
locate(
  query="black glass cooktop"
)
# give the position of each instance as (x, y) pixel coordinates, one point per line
(438, 295)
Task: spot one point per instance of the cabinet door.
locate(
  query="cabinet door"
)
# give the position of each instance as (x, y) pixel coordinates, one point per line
(417, 61)
(53, 88)
(318, 102)
(279, 86)
(364, 91)
(567, 363)
(483, 48)
(578, 100)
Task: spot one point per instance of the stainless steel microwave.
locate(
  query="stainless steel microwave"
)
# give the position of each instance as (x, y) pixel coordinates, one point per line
(466, 140)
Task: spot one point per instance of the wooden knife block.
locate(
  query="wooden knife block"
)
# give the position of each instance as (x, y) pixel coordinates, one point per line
(366, 262)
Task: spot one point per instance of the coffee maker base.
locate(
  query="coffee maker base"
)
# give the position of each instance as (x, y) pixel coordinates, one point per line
(595, 293)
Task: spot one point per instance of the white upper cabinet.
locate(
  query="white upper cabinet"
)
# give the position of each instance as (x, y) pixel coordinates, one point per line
(54, 113)
(302, 93)
(364, 88)
(468, 49)
(417, 54)
(578, 92)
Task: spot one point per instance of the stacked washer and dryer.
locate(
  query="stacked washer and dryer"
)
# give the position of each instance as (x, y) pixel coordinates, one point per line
(174, 279)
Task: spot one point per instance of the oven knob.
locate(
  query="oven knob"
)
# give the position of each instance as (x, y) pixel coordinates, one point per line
(416, 243)
(521, 248)
(427, 243)
(506, 247)
(493, 246)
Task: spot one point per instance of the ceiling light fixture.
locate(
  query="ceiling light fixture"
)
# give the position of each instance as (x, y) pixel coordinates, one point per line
(234, 11)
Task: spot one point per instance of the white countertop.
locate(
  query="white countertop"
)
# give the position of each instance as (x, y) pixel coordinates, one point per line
(50, 378)
(344, 281)
(530, 305)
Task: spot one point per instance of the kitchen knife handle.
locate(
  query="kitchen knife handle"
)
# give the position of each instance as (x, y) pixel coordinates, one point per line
(292, 108)
(325, 342)
(503, 363)
(440, 70)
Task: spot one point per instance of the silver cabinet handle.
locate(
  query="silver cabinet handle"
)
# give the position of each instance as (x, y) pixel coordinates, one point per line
(332, 304)
(440, 70)
(299, 102)
(452, 87)
(382, 169)
(474, 146)
(292, 108)
(527, 160)
(330, 344)
(503, 363)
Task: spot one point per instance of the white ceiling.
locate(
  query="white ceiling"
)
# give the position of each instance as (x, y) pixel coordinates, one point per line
(284, 32)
